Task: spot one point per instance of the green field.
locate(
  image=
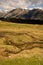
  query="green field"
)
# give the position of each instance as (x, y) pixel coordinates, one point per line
(21, 44)
(22, 61)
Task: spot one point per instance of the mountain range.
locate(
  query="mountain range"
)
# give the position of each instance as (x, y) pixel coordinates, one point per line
(23, 14)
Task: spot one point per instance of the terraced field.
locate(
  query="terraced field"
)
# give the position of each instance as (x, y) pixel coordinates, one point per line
(20, 41)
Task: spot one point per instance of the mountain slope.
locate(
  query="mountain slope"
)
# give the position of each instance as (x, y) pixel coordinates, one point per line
(16, 13)
(2, 14)
(25, 14)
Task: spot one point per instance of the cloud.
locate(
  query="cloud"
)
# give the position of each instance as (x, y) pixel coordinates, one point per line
(38, 8)
(10, 4)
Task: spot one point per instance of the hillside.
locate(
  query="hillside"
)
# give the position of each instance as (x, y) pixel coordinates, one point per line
(25, 14)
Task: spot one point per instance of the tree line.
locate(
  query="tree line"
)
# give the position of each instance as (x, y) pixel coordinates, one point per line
(27, 21)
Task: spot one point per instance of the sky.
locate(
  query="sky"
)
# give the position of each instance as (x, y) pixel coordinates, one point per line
(6, 5)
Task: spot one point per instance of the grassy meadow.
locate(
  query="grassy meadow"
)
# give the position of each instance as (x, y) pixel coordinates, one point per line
(21, 44)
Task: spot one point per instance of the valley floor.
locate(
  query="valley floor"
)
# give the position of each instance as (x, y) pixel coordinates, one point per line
(21, 42)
